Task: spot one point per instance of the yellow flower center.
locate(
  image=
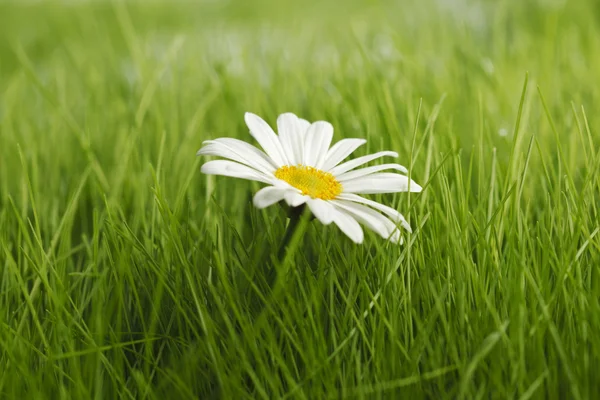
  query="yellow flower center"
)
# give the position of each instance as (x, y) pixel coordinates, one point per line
(311, 181)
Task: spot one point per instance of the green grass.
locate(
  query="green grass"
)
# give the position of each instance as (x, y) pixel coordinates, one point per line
(125, 273)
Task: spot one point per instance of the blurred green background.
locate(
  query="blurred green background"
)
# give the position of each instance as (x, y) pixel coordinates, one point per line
(125, 273)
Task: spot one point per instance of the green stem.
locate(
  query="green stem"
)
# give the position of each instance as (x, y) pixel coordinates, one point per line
(298, 222)
(295, 219)
(275, 275)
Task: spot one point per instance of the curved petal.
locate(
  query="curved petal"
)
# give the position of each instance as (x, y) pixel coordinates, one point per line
(294, 199)
(389, 211)
(348, 225)
(266, 137)
(268, 196)
(341, 150)
(239, 151)
(304, 125)
(358, 173)
(384, 182)
(318, 139)
(322, 209)
(235, 170)
(291, 135)
(371, 218)
(347, 166)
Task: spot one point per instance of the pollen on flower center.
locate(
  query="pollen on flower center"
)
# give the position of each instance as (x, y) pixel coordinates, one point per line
(311, 181)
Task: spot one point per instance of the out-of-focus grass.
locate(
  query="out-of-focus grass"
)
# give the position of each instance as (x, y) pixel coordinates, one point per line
(125, 273)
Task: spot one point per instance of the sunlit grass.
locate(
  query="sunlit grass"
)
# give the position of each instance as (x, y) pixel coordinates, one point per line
(125, 273)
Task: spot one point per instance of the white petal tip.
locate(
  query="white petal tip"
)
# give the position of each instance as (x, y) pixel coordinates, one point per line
(287, 114)
(415, 188)
(324, 221)
(323, 125)
(249, 116)
(259, 204)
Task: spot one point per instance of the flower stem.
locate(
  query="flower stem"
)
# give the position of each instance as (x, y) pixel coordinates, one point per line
(298, 222)
(279, 266)
(295, 219)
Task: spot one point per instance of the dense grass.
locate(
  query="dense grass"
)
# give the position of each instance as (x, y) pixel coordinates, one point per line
(125, 273)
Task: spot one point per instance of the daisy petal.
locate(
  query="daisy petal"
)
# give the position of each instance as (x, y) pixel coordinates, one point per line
(341, 150)
(266, 137)
(291, 135)
(233, 169)
(347, 166)
(323, 210)
(239, 151)
(348, 225)
(268, 196)
(358, 173)
(370, 218)
(318, 139)
(389, 211)
(384, 182)
(294, 199)
(303, 125)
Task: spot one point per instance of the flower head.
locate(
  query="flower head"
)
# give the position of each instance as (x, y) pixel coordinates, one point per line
(301, 167)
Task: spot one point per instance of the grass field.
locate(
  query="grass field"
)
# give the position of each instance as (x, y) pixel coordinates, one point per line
(126, 273)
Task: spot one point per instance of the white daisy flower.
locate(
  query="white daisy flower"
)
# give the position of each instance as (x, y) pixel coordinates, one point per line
(300, 168)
